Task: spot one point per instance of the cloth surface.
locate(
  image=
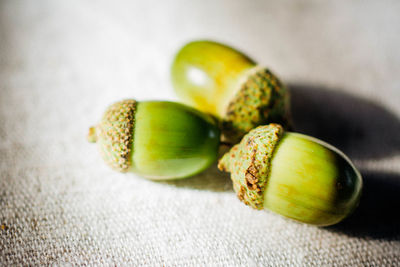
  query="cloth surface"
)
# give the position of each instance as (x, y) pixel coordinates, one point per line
(63, 62)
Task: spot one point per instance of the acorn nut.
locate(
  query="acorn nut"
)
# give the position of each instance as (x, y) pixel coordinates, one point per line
(220, 80)
(294, 175)
(156, 139)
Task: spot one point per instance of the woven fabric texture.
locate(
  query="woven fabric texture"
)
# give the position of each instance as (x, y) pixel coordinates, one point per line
(63, 62)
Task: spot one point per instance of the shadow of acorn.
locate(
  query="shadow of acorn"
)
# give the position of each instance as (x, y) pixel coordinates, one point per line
(358, 127)
(211, 179)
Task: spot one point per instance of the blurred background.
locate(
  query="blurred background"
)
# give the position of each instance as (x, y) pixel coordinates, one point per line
(63, 62)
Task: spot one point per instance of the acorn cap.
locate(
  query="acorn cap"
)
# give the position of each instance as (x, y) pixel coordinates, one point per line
(262, 98)
(114, 134)
(249, 163)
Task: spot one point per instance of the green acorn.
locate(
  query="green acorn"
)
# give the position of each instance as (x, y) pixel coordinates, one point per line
(156, 139)
(220, 80)
(295, 175)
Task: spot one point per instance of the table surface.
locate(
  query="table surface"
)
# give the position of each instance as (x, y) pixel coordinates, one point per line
(63, 62)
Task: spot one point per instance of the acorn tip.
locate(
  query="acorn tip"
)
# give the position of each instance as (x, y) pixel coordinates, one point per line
(92, 136)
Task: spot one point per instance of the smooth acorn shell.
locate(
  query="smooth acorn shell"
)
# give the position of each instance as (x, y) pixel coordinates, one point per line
(172, 140)
(205, 74)
(311, 181)
(157, 139)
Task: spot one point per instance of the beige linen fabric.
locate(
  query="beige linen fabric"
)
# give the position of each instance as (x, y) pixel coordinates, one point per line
(63, 62)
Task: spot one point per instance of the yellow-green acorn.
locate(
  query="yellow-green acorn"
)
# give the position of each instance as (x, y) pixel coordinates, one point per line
(156, 139)
(294, 175)
(220, 80)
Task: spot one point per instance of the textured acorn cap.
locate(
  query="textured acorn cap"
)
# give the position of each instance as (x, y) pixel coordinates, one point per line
(249, 163)
(260, 99)
(114, 134)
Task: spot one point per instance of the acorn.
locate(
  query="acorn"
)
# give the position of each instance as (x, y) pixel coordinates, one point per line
(297, 176)
(220, 80)
(156, 139)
